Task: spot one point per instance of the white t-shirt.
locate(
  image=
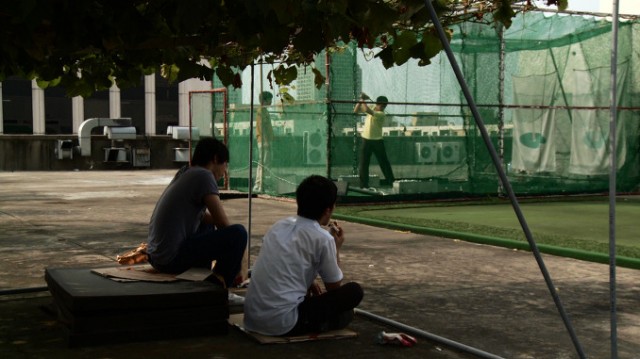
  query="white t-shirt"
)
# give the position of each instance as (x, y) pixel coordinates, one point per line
(294, 252)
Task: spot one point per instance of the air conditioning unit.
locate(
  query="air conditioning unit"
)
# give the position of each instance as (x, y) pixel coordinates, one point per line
(314, 147)
(181, 154)
(426, 152)
(119, 132)
(141, 157)
(64, 149)
(116, 154)
(449, 152)
(182, 132)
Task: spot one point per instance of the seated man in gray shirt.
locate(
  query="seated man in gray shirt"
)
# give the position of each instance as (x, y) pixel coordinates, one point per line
(189, 227)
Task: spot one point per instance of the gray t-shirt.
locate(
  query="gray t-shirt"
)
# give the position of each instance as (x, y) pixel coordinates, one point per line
(179, 212)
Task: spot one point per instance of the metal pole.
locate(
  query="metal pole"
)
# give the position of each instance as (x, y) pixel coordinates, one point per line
(417, 332)
(190, 124)
(250, 177)
(23, 290)
(356, 118)
(328, 89)
(501, 102)
(612, 181)
(503, 177)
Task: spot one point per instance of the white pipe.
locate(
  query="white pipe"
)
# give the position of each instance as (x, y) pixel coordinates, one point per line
(84, 131)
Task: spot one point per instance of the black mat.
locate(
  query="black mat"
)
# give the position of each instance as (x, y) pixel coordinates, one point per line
(97, 310)
(80, 291)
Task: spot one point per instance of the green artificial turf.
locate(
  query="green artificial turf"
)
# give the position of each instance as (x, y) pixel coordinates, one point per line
(574, 223)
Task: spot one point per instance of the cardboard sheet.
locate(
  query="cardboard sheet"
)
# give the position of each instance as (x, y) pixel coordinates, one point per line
(236, 321)
(145, 272)
(142, 272)
(195, 274)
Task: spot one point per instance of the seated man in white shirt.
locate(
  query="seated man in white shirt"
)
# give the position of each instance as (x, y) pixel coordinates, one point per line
(283, 298)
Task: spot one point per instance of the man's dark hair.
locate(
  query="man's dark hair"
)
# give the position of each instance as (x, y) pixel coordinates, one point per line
(382, 100)
(314, 195)
(265, 96)
(210, 149)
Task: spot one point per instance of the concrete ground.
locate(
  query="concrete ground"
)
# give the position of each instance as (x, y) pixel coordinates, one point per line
(490, 299)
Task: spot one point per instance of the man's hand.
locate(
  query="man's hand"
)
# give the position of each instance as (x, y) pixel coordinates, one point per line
(337, 232)
(356, 108)
(315, 290)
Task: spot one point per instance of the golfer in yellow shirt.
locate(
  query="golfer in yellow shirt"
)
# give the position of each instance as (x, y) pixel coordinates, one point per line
(372, 142)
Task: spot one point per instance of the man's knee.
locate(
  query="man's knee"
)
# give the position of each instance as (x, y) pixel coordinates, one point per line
(355, 292)
(237, 230)
(238, 234)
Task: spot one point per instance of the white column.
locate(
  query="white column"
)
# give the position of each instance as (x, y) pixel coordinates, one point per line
(37, 105)
(183, 97)
(77, 112)
(1, 112)
(150, 104)
(115, 109)
(183, 104)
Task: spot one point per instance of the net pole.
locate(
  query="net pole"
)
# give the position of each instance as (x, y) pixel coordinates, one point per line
(328, 97)
(612, 182)
(501, 102)
(503, 177)
(357, 90)
(190, 123)
(250, 175)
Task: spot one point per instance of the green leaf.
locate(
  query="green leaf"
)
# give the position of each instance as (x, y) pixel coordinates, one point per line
(286, 11)
(128, 39)
(42, 83)
(169, 72)
(318, 78)
(432, 44)
(402, 46)
(333, 6)
(563, 4)
(386, 55)
(225, 75)
(285, 75)
(504, 14)
(76, 87)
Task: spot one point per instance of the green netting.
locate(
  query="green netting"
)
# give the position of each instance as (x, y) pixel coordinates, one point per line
(543, 93)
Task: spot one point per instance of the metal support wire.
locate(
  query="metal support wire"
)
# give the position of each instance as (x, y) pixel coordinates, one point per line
(504, 106)
(612, 181)
(503, 177)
